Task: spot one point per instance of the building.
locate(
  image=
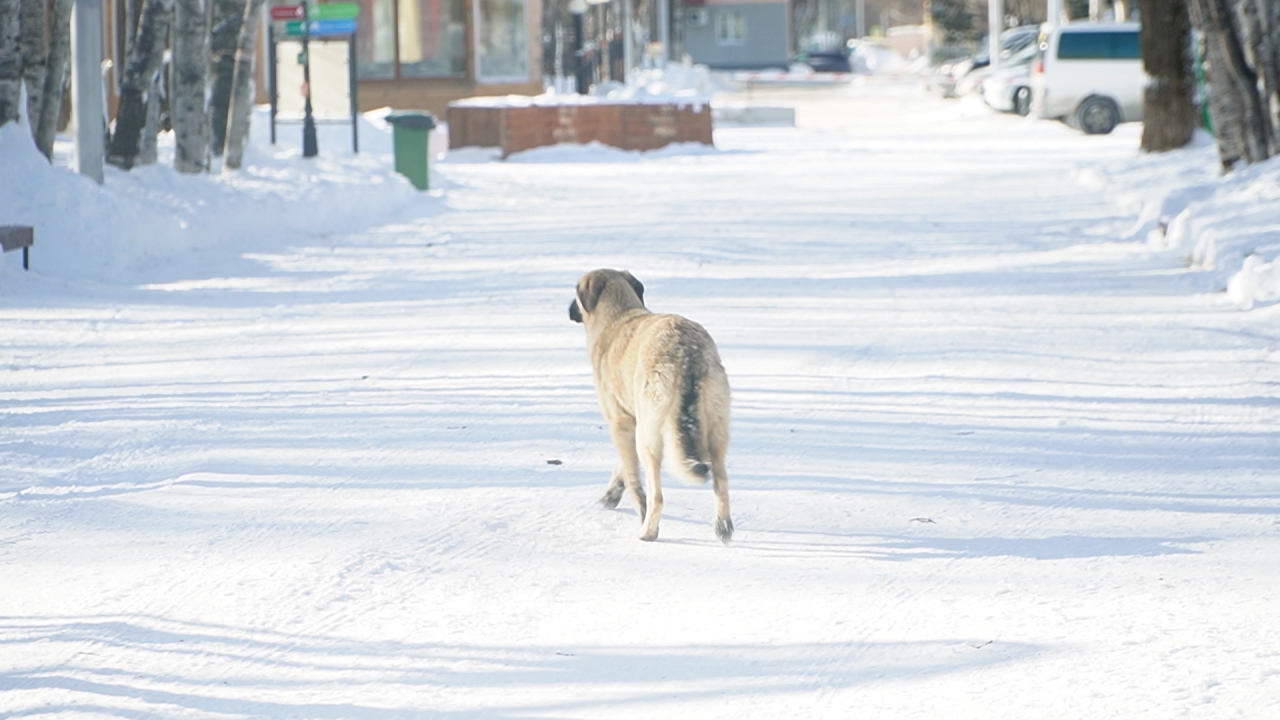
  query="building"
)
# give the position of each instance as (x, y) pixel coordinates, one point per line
(410, 54)
(737, 34)
(423, 54)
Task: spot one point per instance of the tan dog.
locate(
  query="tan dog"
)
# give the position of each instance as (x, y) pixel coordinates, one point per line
(662, 390)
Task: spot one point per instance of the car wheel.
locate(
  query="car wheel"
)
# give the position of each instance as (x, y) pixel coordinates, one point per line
(1022, 101)
(1097, 116)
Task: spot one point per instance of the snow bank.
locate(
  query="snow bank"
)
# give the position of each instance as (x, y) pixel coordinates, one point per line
(676, 84)
(1226, 225)
(151, 222)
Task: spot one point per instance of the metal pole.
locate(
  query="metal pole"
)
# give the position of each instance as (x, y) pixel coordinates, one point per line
(1054, 14)
(272, 79)
(578, 11)
(664, 29)
(861, 19)
(86, 87)
(309, 145)
(355, 98)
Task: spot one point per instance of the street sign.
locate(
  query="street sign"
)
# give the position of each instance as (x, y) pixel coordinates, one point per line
(334, 11)
(286, 12)
(321, 28)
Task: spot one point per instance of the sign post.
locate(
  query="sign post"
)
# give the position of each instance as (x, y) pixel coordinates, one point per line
(304, 23)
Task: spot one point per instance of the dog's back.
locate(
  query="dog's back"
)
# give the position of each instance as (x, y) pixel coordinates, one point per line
(682, 393)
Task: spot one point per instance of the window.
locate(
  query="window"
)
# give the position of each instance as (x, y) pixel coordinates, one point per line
(502, 40)
(731, 28)
(1099, 46)
(410, 39)
(1125, 46)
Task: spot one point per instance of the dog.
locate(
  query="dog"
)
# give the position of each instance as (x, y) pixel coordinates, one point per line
(663, 391)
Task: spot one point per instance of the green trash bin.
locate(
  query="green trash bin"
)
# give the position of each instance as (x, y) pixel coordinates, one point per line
(410, 130)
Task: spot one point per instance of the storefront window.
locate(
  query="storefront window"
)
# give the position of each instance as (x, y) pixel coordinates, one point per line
(376, 40)
(431, 38)
(410, 39)
(502, 40)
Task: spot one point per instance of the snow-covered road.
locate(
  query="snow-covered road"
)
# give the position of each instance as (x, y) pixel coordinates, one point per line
(992, 457)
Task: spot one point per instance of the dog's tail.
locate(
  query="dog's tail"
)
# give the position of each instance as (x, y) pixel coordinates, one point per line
(694, 458)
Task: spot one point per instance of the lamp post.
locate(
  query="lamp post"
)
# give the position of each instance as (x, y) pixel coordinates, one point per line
(309, 145)
(578, 9)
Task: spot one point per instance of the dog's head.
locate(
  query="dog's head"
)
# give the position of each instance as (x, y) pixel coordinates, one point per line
(615, 289)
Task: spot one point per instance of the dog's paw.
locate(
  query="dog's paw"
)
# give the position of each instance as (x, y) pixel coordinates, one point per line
(649, 536)
(611, 497)
(724, 529)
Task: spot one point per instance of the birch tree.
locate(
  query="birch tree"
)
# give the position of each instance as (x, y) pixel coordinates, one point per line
(241, 108)
(190, 75)
(224, 39)
(1169, 112)
(45, 125)
(135, 86)
(10, 60)
(1241, 73)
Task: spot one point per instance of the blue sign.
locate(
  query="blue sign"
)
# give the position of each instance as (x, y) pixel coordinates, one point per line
(334, 26)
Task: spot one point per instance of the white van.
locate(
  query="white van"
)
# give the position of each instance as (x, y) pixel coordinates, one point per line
(1089, 74)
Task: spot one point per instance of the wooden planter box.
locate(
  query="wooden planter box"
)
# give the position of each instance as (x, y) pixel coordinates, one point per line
(630, 126)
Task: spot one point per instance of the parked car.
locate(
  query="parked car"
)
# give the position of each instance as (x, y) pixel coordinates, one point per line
(1008, 88)
(1089, 75)
(965, 74)
(827, 61)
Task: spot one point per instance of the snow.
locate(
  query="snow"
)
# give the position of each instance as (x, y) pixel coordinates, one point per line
(676, 83)
(302, 441)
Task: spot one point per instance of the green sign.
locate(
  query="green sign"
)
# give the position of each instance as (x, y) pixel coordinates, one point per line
(333, 11)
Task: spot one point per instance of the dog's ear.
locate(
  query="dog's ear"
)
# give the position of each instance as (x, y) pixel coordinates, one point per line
(589, 291)
(635, 285)
(574, 315)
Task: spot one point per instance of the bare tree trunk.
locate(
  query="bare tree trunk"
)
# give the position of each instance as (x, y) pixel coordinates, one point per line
(228, 15)
(151, 128)
(10, 60)
(190, 73)
(1169, 113)
(33, 56)
(1258, 20)
(240, 111)
(140, 68)
(55, 76)
(1235, 102)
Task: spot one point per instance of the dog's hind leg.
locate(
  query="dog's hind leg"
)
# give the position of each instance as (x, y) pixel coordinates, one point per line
(650, 449)
(627, 473)
(720, 484)
(613, 494)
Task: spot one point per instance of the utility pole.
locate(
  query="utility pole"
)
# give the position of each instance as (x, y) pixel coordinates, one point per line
(1054, 15)
(995, 26)
(664, 30)
(86, 87)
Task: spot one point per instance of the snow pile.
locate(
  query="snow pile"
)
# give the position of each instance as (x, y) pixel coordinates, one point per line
(676, 84)
(1225, 225)
(152, 222)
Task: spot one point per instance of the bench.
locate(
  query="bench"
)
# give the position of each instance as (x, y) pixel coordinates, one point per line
(13, 237)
